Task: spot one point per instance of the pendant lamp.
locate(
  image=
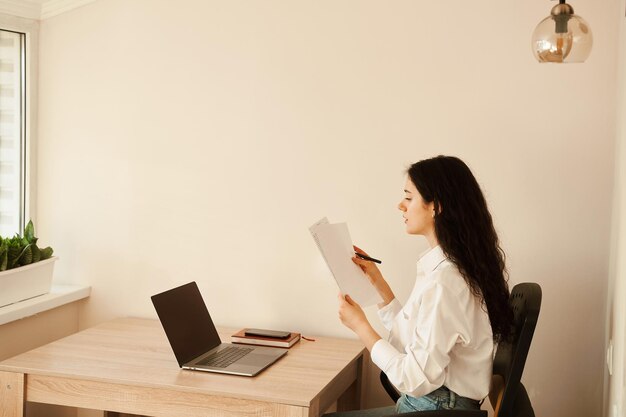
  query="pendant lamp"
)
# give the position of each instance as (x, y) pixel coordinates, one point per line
(562, 37)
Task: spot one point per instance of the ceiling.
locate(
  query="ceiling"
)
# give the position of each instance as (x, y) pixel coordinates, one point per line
(39, 9)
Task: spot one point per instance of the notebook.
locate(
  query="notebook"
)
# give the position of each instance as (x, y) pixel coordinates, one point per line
(241, 337)
(195, 341)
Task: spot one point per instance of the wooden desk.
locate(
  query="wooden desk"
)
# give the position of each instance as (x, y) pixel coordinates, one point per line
(127, 366)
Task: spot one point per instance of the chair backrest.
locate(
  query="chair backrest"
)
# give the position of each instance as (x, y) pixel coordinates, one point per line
(508, 396)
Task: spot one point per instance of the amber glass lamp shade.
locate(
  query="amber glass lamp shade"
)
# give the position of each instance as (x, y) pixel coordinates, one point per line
(562, 37)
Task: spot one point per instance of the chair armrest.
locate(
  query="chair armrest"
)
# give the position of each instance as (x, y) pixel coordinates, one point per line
(388, 386)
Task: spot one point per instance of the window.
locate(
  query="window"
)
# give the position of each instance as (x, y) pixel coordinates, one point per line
(13, 160)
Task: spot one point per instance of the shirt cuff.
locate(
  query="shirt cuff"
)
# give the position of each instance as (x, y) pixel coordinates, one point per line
(382, 353)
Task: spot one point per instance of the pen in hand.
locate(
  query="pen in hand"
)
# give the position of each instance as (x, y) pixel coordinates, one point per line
(367, 258)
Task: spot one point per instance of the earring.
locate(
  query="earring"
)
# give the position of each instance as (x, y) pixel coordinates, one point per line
(433, 214)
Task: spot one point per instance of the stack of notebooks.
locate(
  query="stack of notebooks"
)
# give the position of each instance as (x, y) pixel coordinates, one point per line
(287, 342)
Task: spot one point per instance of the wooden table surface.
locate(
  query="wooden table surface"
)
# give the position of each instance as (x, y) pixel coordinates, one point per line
(126, 365)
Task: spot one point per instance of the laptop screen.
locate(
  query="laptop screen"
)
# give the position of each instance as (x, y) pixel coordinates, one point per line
(186, 322)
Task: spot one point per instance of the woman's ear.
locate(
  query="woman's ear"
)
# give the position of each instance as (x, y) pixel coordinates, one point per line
(437, 209)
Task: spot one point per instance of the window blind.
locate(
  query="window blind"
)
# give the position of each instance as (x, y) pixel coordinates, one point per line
(12, 134)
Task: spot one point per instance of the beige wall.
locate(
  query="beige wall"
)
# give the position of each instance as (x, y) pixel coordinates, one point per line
(198, 140)
(615, 406)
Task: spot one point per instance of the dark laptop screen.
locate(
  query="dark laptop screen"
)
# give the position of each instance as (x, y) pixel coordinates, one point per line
(186, 322)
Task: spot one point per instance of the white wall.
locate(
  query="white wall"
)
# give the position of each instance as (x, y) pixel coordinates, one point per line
(198, 140)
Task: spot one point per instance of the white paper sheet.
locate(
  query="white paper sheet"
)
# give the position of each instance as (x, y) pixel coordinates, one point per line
(335, 244)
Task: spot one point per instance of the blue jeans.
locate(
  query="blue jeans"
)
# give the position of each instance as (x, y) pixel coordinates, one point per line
(440, 399)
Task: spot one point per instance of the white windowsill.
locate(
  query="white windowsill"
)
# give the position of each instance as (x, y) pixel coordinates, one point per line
(59, 295)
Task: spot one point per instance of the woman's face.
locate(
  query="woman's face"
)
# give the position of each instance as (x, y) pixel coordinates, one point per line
(417, 214)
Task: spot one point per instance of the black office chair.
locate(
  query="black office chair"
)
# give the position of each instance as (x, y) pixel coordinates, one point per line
(507, 395)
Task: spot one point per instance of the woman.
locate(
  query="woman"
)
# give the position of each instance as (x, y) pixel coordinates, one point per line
(439, 353)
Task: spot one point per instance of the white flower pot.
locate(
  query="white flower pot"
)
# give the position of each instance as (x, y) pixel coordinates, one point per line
(26, 281)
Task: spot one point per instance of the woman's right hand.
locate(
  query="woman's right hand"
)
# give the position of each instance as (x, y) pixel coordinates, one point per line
(376, 278)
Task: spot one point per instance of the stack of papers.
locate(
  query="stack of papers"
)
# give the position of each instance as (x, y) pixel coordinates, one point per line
(335, 244)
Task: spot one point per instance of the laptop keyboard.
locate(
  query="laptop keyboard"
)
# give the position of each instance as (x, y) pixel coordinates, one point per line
(225, 357)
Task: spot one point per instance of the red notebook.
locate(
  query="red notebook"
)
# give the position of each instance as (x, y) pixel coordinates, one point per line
(240, 337)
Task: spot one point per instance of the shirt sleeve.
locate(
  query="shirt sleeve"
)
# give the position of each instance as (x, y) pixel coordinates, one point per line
(440, 324)
(389, 312)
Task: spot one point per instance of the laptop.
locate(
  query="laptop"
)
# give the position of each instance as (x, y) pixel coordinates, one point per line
(195, 341)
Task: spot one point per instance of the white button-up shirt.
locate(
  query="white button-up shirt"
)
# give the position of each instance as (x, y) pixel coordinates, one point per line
(442, 336)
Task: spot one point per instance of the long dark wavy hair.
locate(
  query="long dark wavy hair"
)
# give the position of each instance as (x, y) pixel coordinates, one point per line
(465, 232)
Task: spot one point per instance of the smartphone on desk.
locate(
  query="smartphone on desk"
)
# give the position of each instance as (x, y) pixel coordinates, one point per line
(274, 334)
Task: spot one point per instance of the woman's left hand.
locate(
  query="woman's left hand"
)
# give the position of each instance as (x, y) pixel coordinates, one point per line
(350, 313)
(352, 316)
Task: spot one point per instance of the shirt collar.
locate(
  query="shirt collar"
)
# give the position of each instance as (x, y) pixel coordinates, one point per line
(431, 259)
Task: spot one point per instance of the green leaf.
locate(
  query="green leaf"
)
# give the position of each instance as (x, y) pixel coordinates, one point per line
(36, 253)
(26, 257)
(46, 253)
(4, 260)
(4, 250)
(13, 253)
(29, 231)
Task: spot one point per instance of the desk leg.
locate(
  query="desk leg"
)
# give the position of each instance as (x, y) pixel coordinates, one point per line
(11, 394)
(351, 398)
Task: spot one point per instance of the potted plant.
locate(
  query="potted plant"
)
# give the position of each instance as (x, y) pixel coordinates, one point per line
(25, 269)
